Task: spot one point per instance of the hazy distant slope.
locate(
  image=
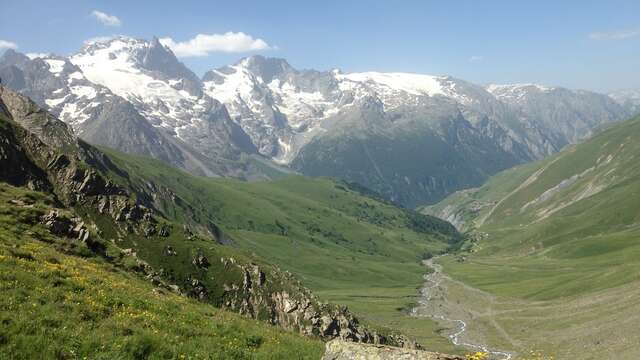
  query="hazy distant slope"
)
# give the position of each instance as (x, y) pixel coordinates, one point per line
(558, 237)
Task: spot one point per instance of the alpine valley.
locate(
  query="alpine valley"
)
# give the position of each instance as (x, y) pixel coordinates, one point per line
(266, 212)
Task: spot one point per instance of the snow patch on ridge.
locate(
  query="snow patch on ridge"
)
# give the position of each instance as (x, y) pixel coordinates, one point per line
(517, 92)
(415, 84)
(55, 66)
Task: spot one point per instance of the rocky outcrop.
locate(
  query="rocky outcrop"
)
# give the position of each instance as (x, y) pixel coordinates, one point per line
(42, 152)
(31, 117)
(296, 309)
(69, 227)
(342, 350)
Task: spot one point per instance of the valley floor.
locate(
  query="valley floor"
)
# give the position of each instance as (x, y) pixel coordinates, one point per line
(599, 325)
(435, 304)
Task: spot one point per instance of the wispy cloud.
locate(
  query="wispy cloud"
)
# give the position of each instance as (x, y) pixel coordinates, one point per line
(476, 58)
(4, 44)
(106, 19)
(614, 35)
(204, 44)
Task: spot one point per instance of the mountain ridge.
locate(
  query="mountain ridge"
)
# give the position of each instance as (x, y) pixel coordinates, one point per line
(264, 110)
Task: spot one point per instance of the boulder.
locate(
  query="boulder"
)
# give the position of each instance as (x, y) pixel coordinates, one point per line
(344, 350)
(200, 261)
(57, 223)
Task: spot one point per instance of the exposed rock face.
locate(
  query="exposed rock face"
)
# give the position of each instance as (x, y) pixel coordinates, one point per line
(53, 159)
(16, 167)
(62, 225)
(342, 350)
(200, 261)
(31, 117)
(566, 116)
(296, 309)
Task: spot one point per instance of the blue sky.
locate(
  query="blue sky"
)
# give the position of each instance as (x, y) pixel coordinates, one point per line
(580, 44)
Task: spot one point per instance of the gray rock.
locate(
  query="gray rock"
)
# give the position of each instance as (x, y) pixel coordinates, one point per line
(343, 350)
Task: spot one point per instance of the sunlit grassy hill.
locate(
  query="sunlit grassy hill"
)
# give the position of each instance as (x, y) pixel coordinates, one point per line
(348, 247)
(60, 300)
(254, 248)
(561, 237)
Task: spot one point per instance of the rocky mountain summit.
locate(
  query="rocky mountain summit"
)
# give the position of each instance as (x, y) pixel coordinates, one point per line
(411, 137)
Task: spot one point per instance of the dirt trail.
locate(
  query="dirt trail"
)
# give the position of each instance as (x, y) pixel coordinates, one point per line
(433, 304)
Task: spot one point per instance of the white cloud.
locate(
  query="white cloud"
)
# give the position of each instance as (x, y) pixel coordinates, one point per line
(614, 35)
(476, 58)
(106, 19)
(4, 44)
(203, 44)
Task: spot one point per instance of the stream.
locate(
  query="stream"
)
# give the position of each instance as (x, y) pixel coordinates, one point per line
(427, 308)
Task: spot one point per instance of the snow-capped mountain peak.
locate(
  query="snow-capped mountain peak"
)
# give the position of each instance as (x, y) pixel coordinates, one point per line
(61, 86)
(135, 95)
(147, 74)
(281, 108)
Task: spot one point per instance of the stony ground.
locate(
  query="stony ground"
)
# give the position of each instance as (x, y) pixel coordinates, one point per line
(559, 328)
(340, 350)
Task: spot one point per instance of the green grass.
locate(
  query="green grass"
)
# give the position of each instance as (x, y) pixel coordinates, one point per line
(327, 233)
(61, 301)
(390, 306)
(588, 242)
(560, 231)
(337, 241)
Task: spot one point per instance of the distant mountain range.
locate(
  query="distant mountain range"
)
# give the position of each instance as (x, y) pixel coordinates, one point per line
(413, 138)
(629, 99)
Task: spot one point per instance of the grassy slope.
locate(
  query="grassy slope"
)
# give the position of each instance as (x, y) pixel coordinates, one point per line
(348, 248)
(574, 243)
(58, 301)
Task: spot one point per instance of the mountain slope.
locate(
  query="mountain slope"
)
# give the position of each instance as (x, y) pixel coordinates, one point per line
(115, 222)
(134, 95)
(119, 118)
(567, 115)
(350, 125)
(403, 158)
(348, 248)
(163, 90)
(61, 300)
(560, 233)
(630, 99)
(215, 240)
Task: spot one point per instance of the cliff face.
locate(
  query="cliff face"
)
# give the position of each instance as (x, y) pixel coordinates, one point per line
(341, 350)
